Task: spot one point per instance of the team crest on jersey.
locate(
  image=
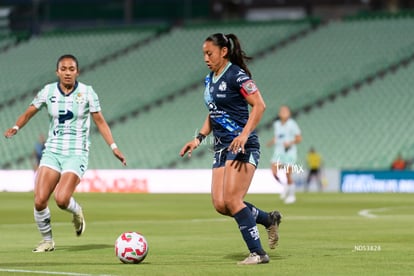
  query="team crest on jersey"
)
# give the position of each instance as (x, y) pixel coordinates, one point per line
(80, 99)
(249, 87)
(222, 86)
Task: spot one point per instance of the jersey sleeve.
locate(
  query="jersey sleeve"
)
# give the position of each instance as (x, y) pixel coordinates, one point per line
(295, 128)
(94, 104)
(40, 100)
(246, 84)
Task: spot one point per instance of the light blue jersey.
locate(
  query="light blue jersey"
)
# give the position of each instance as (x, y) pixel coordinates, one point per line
(69, 117)
(285, 133)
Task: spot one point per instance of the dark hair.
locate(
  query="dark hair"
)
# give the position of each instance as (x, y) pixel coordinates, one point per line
(235, 53)
(67, 56)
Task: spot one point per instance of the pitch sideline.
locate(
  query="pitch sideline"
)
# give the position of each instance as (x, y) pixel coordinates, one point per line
(48, 272)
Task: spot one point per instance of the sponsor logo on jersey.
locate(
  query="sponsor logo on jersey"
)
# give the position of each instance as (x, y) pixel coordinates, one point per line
(65, 115)
(211, 106)
(54, 99)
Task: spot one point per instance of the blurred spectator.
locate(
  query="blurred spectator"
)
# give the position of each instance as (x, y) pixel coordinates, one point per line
(38, 151)
(314, 161)
(399, 163)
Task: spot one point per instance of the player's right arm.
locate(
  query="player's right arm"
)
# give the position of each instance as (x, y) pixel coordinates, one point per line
(194, 143)
(271, 142)
(21, 121)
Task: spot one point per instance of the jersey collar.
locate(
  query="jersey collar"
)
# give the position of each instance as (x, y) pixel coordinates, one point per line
(63, 93)
(215, 79)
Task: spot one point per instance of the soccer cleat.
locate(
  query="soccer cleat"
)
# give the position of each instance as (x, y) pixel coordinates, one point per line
(290, 199)
(273, 229)
(254, 258)
(79, 223)
(44, 246)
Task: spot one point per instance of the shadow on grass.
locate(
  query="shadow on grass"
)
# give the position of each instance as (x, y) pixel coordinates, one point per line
(241, 256)
(84, 247)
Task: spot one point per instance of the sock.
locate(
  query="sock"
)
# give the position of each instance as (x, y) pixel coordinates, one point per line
(42, 219)
(260, 216)
(73, 206)
(249, 231)
(291, 189)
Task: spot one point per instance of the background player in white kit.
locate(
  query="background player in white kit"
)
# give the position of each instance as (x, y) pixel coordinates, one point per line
(70, 105)
(286, 135)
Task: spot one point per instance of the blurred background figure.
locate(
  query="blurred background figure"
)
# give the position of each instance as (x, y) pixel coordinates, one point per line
(314, 161)
(399, 163)
(38, 151)
(286, 135)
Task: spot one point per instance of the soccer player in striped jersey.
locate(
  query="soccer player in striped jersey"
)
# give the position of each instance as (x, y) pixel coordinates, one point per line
(70, 105)
(229, 91)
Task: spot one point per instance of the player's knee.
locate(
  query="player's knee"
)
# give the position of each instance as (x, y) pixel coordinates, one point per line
(220, 207)
(62, 202)
(40, 204)
(232, 205)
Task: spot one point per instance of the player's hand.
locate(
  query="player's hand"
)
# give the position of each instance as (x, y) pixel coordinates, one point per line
(189, 147)
(287, 145)
(237, 145)
(118, 154)
(270, 143)
(10, 132)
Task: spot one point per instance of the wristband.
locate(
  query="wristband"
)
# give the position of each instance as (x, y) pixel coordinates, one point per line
(16, 127)
(200, 137)
(113, 146)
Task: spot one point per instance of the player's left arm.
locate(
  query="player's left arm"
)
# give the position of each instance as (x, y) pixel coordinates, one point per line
(297, 138)
(106, 133)
(255, 100)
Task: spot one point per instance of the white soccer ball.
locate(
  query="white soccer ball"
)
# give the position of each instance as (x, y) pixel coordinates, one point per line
(131, 248)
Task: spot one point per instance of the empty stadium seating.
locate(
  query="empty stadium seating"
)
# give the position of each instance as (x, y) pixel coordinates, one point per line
(364, 129)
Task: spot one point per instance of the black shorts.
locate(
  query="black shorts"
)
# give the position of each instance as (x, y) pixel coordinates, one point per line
(313, 171)
(250, 156)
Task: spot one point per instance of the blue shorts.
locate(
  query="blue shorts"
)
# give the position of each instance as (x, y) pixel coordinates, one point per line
(221, 156)
(76, 164)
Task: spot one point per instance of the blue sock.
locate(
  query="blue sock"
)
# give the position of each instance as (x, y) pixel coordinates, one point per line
(249, 231)
(260, 216)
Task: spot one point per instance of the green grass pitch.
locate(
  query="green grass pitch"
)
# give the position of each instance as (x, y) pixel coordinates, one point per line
(321, 234)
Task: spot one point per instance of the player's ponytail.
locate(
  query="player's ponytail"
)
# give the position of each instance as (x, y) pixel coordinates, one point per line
(235, 53)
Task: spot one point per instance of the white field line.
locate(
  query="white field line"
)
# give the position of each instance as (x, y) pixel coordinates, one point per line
(45, 272)
(373, 213)
(369, 213)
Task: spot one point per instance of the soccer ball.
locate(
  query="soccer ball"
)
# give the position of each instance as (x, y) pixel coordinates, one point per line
(131, 248)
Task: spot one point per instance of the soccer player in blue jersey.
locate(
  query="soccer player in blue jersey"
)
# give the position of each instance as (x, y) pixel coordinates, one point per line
(229, 91)
(70, 105)
(287, 135)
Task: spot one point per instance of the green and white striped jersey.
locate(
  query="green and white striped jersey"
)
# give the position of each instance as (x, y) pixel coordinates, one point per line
(69, 117)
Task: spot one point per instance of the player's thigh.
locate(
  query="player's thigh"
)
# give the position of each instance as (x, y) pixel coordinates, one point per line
(237, 178)
(46, 181)
(274, 168)
(217, 188)
(65, 188)
(73, 168)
